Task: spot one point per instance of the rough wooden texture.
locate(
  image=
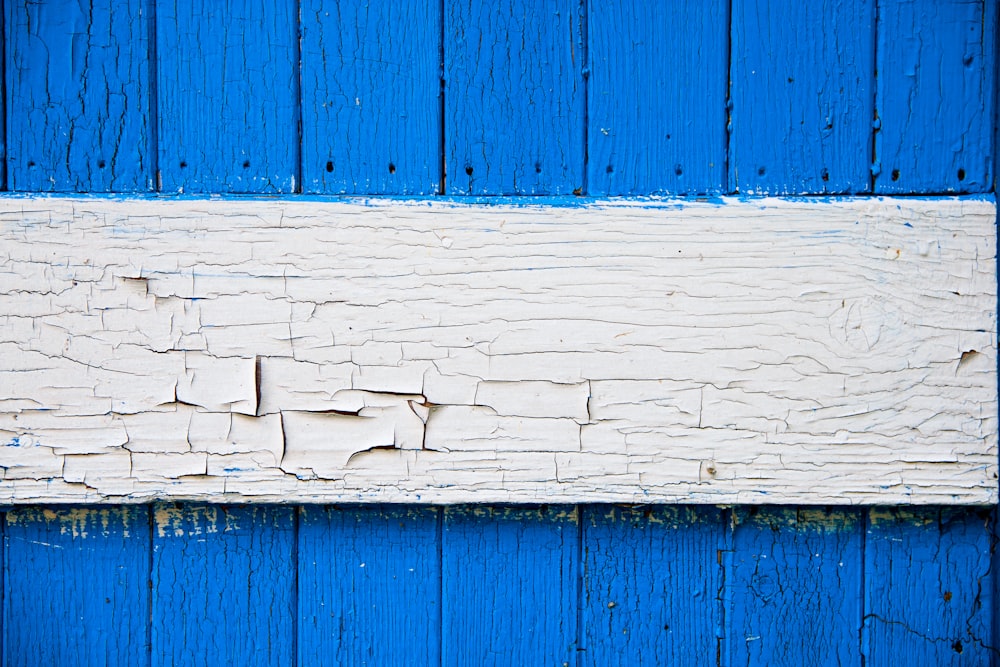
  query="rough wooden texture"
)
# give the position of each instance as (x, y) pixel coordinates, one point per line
(227, 93)
(371, 90)
(369, 586)
(801, 96)
(79, 86)
(771, 351)
(76, 587)
(249, 548)
(514, 97)
(935, 95)
(656, 112)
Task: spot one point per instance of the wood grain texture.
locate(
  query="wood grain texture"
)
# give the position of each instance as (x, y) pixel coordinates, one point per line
(761, 352)
(651, 585)
(657, 97)
(793, 587)
(514, 97)
(371, 90)
(369, 586)
(76, 587)
(78, 88)
(929, 591)
(935, 93)
(223, 585)
(509, 581)
(228, 98)
(802, 98)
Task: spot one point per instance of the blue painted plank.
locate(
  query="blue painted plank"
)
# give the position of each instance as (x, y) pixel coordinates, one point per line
(935, 92)
(510, 579)
(369, 586)
(78, 80)
(514, 97)
(371, 90)
(929, 596)
(223, 585)
(76, 587)
(802, 97)
(794, 587)
(657, 97)
(228, 98)
(652, 579)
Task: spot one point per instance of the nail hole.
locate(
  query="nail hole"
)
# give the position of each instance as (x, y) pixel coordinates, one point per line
(961, 174)
(538, 167)
(761, 171)
(183, 164)
(100, 164)
(609, 169)
(668, 137)
(329, 166)
(246, 163)
(678, 170)
(967, 60)
(957, 647)
(825, 175)
(468, 169)
(31, 164)
(895, 174)
(392, 168)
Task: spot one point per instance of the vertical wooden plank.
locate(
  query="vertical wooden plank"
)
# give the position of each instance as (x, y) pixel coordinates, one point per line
(371, 90)
(657, 97)
(795, 587)
(510, 581)
(76, 590)
(928, 594)
(801, 90)
(227, 89)
(369, 586)
(652, 581)
(935, 95)
(514, 97)
(223, 585)
(79, 89)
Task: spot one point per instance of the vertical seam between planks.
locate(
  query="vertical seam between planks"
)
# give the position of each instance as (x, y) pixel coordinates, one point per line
(581, 573)
(5, 110)
(154, 181)
(150, 587)
(299, 102)
(584, 20)
(728, 182)
(3, 571)
(863, 597)
(440, 578)
(296, 612)
(876, 124)
(442, 146)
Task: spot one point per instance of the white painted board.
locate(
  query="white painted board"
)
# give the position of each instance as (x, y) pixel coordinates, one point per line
(759, 351)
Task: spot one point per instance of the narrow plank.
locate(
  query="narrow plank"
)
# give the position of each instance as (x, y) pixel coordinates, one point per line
(79, 95)
(76, 587)
(514, 97)
(795, 583)
(510, 578)
(228, 97)
(657, 97)
(223, 585)
(929, 597)
(369, 586)
(801, 96)
(371, 90)
(652, 579)
(935, 92)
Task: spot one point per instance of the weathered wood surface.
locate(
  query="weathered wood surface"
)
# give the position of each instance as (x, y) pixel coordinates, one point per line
(771, 351)
(588, 585)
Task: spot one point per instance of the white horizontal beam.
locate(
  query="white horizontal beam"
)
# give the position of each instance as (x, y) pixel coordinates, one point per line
(763, 351)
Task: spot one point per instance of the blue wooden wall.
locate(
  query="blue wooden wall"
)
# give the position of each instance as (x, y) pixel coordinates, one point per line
(509, 97)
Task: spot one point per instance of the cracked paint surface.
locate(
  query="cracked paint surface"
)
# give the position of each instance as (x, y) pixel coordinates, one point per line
(765, 351)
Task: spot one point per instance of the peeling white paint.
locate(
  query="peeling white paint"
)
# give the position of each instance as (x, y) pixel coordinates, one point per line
(778, 351)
